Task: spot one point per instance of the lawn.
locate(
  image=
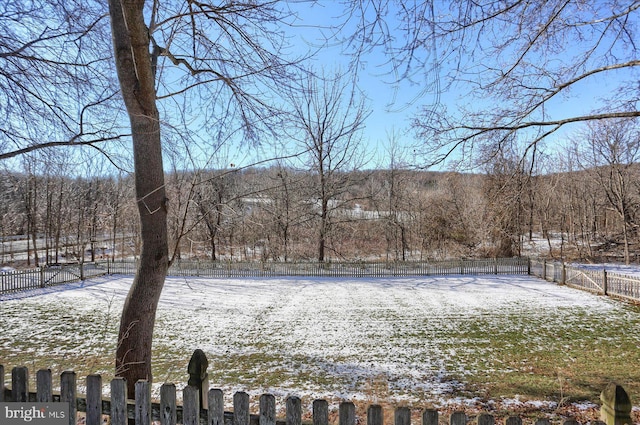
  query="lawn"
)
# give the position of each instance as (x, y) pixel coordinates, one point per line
(497, 342)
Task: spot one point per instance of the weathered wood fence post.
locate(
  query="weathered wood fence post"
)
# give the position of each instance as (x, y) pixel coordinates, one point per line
(216, 407)
(94, 400)
(430, 417)
(119, 414)
(374, 415)
(605, 284)
(486, 419)
(143, 402)
(347, 413)
(168, 411)
(44, 386)
(294, 411)
(191, 405)
(20, 384)
(241, 409)
(458, 418)
(198, 376)
(68, 393)
(616, 405)
(267, 415)
(402, 416)
(320, 412)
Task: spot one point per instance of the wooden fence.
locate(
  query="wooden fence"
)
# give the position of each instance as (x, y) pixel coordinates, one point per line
(43, 277)
(204, 406)
(596, 281)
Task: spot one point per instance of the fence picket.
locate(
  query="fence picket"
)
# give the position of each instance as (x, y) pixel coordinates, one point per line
(513, 420)
(320, 412)
(241, 408)
(267, 415)
(294, 411)
(374, 415)
(216, 407)
(68, 393)
(191, 405)
(486, 419)
(94, 400)
(44, 387)
(20, 384)
(458, 418)
(119, 414)
(168, 411)
(347, 413)
(1, 384)
(402, 416)
(143, 402)
(430, 417)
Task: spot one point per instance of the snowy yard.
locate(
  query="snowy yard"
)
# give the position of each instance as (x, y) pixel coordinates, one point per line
(434, 340)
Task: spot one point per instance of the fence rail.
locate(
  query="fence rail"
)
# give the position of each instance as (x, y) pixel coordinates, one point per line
(205, 406)
(21, 280)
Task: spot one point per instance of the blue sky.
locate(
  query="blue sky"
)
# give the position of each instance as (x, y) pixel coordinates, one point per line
(393, 106)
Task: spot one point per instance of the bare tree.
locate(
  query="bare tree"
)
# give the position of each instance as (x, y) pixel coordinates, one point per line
(280, 209)
(489, 69)
(55, 76)
(397, 207)
(233, 53)
(328, 115)
(212, 197)
(505, 185)
(610, 154)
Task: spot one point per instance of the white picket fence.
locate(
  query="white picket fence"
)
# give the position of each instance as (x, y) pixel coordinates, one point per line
(43, 277)
(597, 281)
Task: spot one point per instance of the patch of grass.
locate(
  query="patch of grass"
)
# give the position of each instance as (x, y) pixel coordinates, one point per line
(574, 359)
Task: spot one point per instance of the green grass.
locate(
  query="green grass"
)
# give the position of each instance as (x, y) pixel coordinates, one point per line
(571, 362)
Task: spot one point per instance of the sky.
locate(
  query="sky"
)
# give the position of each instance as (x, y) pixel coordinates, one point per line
(391, 106)
(394, 106)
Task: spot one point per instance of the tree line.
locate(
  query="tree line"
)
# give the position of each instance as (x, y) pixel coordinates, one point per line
(581, 203)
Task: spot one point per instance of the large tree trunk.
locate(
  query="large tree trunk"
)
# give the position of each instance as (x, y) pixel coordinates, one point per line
(135, 72)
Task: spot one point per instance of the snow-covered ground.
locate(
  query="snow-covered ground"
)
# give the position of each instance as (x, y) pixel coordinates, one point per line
(360, 339)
